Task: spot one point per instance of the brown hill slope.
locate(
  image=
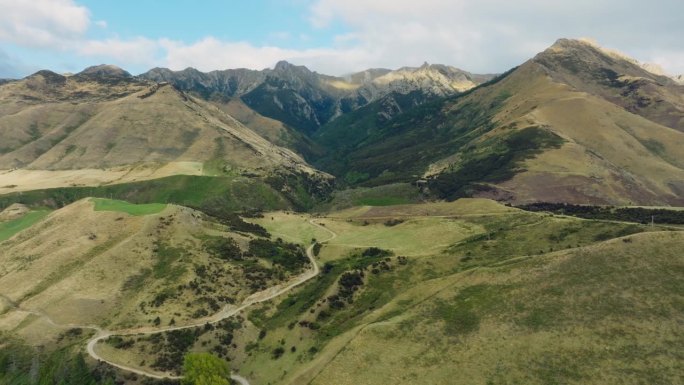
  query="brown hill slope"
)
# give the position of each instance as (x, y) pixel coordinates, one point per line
(622, 128)
(103, 118)
(619, 79)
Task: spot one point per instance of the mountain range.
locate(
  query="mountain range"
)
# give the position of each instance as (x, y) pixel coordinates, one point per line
(576, 123)
(307, 100)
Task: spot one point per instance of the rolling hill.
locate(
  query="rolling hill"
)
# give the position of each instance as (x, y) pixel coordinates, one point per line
(121, 265)
(469, 291)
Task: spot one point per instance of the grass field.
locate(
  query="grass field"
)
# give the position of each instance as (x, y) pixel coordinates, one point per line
(387, 195)
(291, 227)
(413, 237)
(102, 204)
(9, 228)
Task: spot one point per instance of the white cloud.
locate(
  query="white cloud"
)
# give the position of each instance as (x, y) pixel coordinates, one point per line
(672, 62)
(136, 51)
(479, 36)
(213, 54)
(42, 23)
(493, 35)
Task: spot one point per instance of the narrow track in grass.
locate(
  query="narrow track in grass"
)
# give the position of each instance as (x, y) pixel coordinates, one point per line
(226, 312)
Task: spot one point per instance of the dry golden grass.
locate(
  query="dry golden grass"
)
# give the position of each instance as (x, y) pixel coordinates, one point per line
(271, 129)
(27, 180)
(461, 207)
(291, 227)
(83, 267)
(143, 132)
(611, 155)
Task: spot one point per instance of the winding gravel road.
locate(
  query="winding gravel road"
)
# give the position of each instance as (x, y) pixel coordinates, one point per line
(226, 312)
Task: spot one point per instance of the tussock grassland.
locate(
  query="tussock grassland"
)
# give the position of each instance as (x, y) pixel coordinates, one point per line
(590, 315)
(519, 296)
(128, 265)
(463, 292)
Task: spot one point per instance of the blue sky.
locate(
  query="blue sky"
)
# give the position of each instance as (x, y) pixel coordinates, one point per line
(330, 36)
(266, 22)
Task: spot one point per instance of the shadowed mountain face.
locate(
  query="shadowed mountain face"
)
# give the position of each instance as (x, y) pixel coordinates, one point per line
(306, 100)
(574, 124)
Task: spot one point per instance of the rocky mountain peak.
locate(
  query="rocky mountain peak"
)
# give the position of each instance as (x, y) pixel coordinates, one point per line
(283, 66)
(287, 67)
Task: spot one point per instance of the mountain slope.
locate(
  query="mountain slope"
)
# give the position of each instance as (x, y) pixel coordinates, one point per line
(618, 79)
(556, 128)
(581, 316)
(306, 100)
(105, 119)
(118, 265)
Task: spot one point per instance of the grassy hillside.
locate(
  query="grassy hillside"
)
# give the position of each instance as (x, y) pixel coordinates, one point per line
(148, 124)
(132, 266)
(575, 124)
(384, 195)
(11, 227)
(434, 318)
(139, 131)
(442, 285)
(231, 193)
(275, 131)
(128, 208)
(584, 316)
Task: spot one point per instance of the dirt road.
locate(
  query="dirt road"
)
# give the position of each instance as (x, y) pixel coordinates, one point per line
(227, 312)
